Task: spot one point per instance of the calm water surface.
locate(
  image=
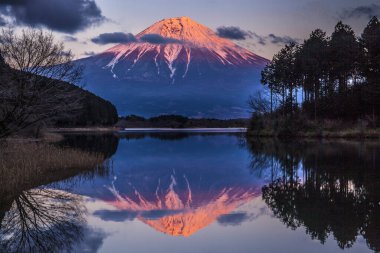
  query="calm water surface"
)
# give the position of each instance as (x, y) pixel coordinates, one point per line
(180, 192)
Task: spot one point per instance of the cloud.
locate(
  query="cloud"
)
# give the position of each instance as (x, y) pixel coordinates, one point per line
(367, 11)
(2, 21)
(232, 32)
(92, 241)
(89, 53)
(260, 39)
(233, 219)
(275, 39)
(158, 39)
(119, 37)
(67, 16)
(121, 215)
(116, 37)
(69, 39)
(116, 216)
(236, 33)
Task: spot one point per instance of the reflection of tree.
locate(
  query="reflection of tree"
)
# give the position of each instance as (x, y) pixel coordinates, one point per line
(42, 220)
(329, 188)
(168, 136)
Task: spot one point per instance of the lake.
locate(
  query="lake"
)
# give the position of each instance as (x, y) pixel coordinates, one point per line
(203, 192)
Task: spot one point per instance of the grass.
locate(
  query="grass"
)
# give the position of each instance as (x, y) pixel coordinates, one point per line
(29, 164)
(284, 127)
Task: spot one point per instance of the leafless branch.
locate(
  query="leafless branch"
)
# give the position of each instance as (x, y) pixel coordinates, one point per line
(32, 80)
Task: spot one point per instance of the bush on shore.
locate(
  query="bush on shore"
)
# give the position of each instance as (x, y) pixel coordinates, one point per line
(299, 125)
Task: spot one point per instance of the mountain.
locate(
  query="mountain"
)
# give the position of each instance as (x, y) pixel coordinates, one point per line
(176, 66)
(176, 209)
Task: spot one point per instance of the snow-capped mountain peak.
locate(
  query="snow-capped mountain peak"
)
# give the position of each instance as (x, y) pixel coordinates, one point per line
(183, 46)
(186, 30)
(171, 63)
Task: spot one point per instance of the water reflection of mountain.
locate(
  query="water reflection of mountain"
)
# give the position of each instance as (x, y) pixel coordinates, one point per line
(178, 205)
(176, 187)
(330, 188)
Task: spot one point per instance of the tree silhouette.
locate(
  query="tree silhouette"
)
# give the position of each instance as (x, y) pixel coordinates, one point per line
(327, 188)
(338, 75)
(42, 220)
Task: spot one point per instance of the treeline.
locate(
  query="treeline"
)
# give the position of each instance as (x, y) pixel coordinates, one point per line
(94, 111)
(177, 121)
(336, 77)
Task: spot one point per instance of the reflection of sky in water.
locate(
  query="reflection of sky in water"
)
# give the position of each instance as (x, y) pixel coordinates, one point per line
(195, 194)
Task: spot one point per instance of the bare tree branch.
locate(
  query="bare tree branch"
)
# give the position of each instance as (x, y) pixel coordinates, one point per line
(33, 72)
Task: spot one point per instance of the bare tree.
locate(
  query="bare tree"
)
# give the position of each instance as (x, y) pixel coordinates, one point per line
(33, 72)
(42, 220)
(259, 103)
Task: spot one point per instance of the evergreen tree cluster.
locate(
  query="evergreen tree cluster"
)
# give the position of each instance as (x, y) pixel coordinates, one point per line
(336, 77)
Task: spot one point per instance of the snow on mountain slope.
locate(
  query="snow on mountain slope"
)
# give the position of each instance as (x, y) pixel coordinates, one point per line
(192, 50)
(211, 76)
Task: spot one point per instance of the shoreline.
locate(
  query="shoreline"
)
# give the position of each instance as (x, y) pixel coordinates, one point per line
(373, 134)
(341, 134)
(147, 130)
(84, 130)
(185, 130)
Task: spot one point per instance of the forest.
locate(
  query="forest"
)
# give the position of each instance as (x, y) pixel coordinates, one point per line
(334, 79)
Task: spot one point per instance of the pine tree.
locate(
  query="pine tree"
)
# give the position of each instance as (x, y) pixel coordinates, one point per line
(344, 55)
(370, 42)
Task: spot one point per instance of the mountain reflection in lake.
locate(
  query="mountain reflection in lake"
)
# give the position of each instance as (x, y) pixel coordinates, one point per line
(181, 192)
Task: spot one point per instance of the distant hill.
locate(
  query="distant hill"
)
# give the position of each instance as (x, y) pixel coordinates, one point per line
(92, 110)
(177, 121)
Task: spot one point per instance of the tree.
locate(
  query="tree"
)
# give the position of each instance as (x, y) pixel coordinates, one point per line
(282, 77)
(370, 42)
(344, 54)
(268, 78)
(339, 76)
(33, 68)
(42, 220)
(313, 57)
(259, 103)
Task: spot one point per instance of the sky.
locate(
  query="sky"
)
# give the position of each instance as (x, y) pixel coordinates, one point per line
(263, 26)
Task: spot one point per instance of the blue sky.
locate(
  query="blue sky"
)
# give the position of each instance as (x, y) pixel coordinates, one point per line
(282, 18)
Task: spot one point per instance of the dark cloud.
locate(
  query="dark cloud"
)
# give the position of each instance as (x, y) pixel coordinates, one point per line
(260, 39)
(116, 37)
(233, 219)
(232, 32)
(89, 53)
(2, 21)
(68, 16)
(116, 216)
(158, 39)
(367, 11)
(70, 39)
(275, 39)
(236, 33)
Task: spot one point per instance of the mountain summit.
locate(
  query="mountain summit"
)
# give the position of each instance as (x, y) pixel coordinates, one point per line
(180, 58)
(175, 49)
